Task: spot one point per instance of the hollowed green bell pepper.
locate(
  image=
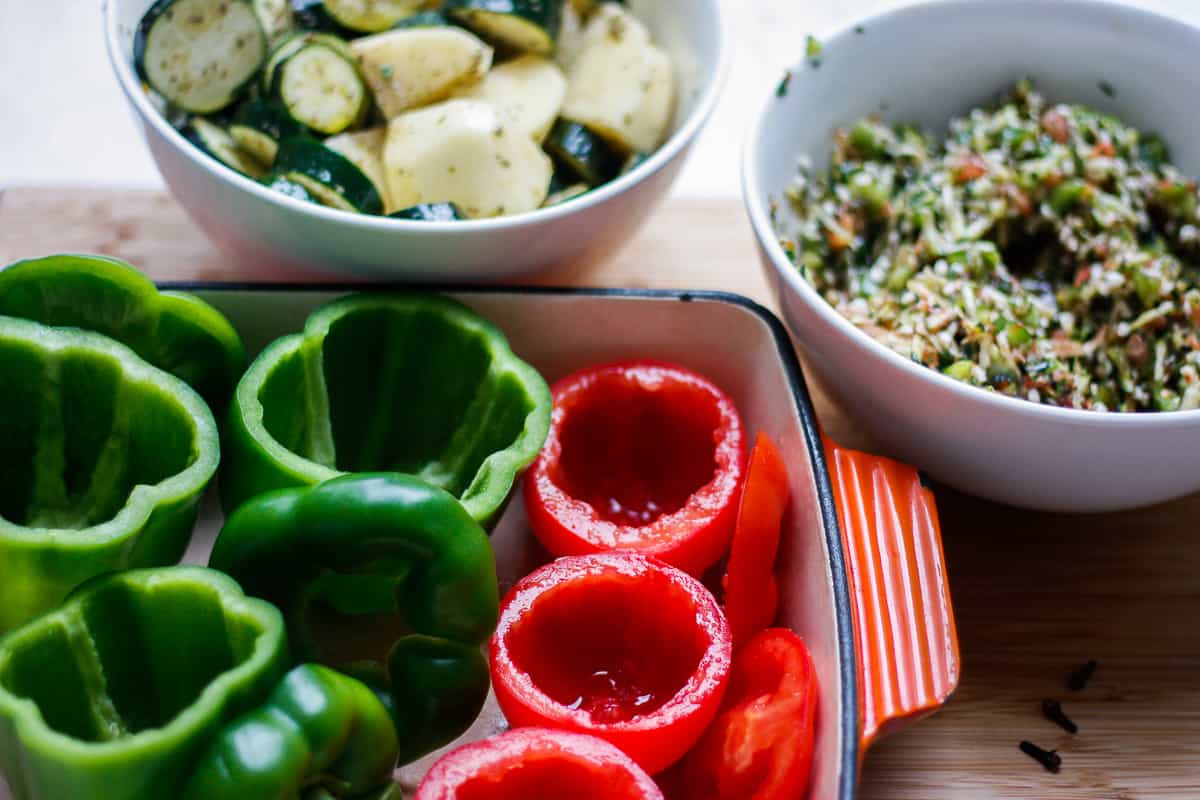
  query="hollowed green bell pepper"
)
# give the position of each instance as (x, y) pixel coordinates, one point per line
(104, 462)
(174, 331)
(114, 695)
(320, 734)
(383, 576)
(419, 385)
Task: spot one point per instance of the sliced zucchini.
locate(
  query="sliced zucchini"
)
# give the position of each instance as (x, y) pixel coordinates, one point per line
(418, 66)
(282, 185)
(321, 89)
(260, 125)
(620, 85)
(527, 26)
(430, 212)
(634, 161)
(460, 152)
(275, 16)
(562, 194)
(424, 19)
(365, 149)
(311, 15)
(330, 177)
(527, 91)
(216, 141)
(371, 16)
(290, 44)
(198, 54)
(583, 153)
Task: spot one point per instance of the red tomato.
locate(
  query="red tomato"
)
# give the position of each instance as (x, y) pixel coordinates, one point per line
(615, 645)
(641, 456)
(760, 747)
(537, 764)
(751, 588)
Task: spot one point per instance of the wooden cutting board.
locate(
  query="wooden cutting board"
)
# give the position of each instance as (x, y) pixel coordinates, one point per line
(1035, 594)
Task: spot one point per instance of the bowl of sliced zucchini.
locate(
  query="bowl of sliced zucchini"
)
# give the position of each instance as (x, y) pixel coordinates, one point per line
(418, 139)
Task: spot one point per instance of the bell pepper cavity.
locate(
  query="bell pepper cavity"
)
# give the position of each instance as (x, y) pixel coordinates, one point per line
(175, 331)
(105, 462)
(114, 695)
(417, 385)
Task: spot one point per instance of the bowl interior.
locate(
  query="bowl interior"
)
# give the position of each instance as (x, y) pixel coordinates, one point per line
(689, 30)
(937, 60)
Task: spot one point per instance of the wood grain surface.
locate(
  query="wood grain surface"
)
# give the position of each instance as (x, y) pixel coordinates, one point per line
(1035, 594)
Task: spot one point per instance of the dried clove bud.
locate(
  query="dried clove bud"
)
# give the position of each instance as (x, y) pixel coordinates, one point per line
(1053, 711)
(1080, 677)
(1050, 759)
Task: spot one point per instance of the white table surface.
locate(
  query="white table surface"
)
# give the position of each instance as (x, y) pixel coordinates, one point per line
(64, 121)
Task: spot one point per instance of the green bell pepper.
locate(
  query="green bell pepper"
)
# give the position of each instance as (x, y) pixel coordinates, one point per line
(383, 576)
(419, 385)
(321, 735)
(174, 331)
(115, 695)
(104, 463)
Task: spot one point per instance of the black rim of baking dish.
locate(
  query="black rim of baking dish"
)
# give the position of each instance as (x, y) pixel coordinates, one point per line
(847, 653)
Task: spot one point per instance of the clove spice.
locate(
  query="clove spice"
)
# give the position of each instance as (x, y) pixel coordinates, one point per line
(1050, 759)
(1080, 677)
(1053, 711)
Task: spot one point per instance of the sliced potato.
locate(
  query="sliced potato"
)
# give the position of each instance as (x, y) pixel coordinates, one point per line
(414, 67)
(365, 150)
(527, 91)
(570, 36)
(620, 85)
(461, 152)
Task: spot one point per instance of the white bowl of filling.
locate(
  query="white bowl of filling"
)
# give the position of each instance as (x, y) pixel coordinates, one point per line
(998, 276)
(417, 139)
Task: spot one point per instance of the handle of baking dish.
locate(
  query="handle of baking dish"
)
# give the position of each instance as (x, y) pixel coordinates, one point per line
(908, 660)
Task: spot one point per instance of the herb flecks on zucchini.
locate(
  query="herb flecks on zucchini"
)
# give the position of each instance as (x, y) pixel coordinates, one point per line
(526, 26)
(330, 177)
(620, 84)
(275, 16)
(430, 212)
(414, 67)
(216, 141)
(198, 54)
(460, 152)
(321, 89)
(586, 155)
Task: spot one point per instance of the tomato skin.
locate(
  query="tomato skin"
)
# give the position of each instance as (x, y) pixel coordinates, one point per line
(760, 747)
(644, 456)
(751, 586)
(535, 763)
(615, 645)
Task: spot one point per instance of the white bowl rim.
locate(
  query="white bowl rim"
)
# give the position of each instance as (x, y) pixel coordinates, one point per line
(756, 204)
(131, 85)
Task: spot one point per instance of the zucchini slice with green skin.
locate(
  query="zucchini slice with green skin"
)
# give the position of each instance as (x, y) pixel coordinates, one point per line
(321, 89)
(279, 183)
(371, 16)
(424, 19)
(585, 154)
(260, 125)
(290, 44)
(365, 150)
(275, 16)
(329, 177)
(430, 212)
(311, 15)
(528, 26)
(198, 54)
(216, 142)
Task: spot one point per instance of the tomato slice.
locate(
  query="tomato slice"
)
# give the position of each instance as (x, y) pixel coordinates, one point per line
(751, 587)
(760, 747)
(537, 764)
(644, 456)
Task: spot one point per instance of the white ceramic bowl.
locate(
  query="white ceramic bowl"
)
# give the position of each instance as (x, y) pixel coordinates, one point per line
(272, 235)
(925, 64)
